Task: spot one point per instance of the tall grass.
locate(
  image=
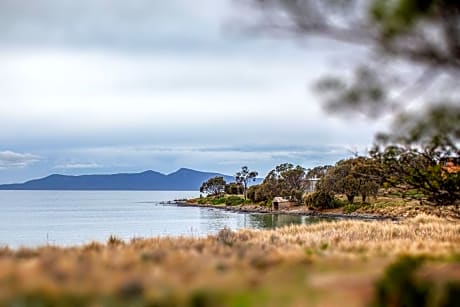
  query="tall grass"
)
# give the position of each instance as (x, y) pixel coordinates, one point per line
(320, 264)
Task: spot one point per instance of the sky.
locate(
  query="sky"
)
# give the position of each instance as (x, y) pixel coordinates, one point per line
(108, 86)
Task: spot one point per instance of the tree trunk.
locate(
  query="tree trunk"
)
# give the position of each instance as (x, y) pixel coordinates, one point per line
(350, 198)
(363, 196)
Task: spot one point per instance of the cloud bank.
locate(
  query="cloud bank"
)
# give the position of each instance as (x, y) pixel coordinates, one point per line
(109, 86)
(10, 159)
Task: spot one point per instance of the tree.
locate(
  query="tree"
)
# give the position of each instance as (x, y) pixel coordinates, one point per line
(260, 193)
(420, 170)
(284, 180)
(322, 200)
(287, 181)
(244, 177)
(413, 58)
(413, 159)
(318, 171)
(214, 186)
(315, 174)
(353, 177)
(423, 35)
(413, 50)
(234, 188)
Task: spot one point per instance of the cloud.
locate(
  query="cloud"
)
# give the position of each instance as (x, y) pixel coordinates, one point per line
(78, 166)
(251, 90)
(10, 159)
(225, 159)
(132, 101)
(103, 81)
(139, 24)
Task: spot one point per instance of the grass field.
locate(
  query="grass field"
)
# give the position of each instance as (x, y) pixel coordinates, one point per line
(325, 264)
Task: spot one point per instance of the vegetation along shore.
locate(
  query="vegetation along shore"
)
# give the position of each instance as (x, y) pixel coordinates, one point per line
(378, 186)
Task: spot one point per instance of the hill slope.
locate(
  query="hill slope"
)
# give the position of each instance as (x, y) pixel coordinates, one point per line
(183, 179)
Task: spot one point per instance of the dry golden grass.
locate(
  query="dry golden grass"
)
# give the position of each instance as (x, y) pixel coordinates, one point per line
(325, 264)
(404, 208)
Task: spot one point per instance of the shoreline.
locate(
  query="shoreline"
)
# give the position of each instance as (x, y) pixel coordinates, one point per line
(298, 212)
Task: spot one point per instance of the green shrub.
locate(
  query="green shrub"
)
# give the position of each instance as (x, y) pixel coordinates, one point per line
(218, 201)
(399, 286)
(339, 203)
(234, 201)
(451, 295)
(402, 286)
(323, 200)
(350, 208)
(204, 298)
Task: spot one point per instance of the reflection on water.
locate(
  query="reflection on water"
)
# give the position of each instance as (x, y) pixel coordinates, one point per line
(270, 221)
(215, 219)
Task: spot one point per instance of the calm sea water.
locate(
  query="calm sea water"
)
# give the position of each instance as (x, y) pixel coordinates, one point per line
(32, 218)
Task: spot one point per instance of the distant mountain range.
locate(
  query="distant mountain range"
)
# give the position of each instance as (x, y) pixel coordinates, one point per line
(182, 180)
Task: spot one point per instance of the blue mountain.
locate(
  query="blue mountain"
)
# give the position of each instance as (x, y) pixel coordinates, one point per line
(182, 180)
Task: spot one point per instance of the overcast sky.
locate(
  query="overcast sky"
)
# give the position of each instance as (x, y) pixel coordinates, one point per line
(104, 86)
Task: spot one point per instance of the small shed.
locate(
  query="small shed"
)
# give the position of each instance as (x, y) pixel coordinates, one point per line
(281, 203)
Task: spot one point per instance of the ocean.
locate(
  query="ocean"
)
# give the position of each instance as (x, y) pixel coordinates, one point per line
(64, 218)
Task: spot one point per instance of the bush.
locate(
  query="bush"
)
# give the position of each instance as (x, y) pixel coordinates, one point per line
(234, 201)
(323, 200)
(350, 208)
(451, 295)
(202, 201)
(339, 203)
(259, 193)
(399, 287)
(218, 201)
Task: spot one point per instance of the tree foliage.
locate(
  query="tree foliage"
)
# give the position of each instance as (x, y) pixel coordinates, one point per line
(420, 170)
(414, 50)
(234, 188)
(322, 199)
(318, 172)
(410, 70)
(244, 176)
(421, 33)
(437, 129)
(353, 177)
(214, 186)
(284, 180)
(414, 158)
